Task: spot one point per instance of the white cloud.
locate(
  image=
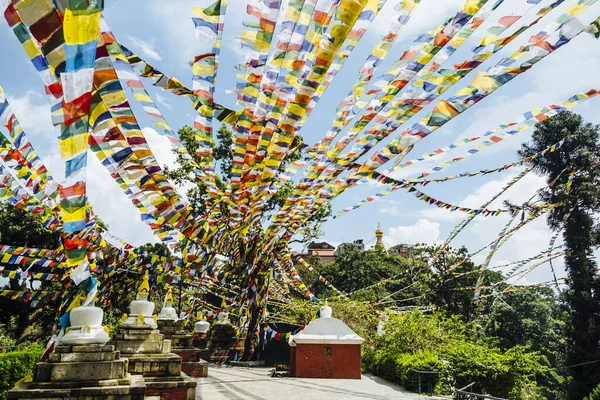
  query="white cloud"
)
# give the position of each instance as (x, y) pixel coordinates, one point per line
(161, 147)
(518, 193)
(145, 47)
(389, 210)
(162, 100)
(33, 112)
(440, 214)
(427, 16)
(423, 231)
(113, 207)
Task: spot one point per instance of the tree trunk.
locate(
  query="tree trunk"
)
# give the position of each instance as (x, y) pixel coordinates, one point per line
(584, 328)
(248, 344)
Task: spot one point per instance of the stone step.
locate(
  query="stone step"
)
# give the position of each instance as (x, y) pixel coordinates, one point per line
(134, 389)
(76, 357)
(87, 348)
(155, 364)
(80, 371)
(127, 347)
(138, 335)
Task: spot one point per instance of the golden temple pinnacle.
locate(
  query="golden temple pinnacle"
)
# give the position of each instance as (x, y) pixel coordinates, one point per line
(145, 287)
(379, 235)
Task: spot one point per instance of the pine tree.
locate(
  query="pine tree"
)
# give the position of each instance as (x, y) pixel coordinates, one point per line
(572, 174)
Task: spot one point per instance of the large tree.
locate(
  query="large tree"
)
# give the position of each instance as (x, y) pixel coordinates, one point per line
(452, 279)
(197, 192)
(185, 174)
(24, 322)
(572, 174)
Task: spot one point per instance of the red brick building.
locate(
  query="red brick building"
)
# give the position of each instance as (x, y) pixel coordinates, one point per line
(326, 348)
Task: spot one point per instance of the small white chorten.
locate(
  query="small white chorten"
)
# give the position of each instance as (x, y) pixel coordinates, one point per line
(168, 313)
(326, 330)
(202, 326)
(86, 326)
(140, 310)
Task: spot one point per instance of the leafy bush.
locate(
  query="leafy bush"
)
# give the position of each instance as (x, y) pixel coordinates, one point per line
(435, 342)
(17, 365)
(360, 317)
(595, 395)
(406, 364)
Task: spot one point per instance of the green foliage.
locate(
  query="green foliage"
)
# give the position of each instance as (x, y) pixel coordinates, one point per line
(408, 364)
(452, 271)
(353, 270)
(412, 283)
(531, 317)
(573, 174)
(594, 395)
(25, 323)
(20, 228)
(17, 365)
(359, 316)
(416, 341)
(7, 334)
(510, 374)
(159, 249)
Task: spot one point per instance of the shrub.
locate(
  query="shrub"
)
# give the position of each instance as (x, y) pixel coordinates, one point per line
(595, 395)
(406, 364)
(16, 365)
(436, 343)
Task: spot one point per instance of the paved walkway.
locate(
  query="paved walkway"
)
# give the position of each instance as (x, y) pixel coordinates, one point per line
(239, 383)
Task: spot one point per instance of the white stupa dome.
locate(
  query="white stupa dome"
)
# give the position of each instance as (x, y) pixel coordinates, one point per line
(326, 330)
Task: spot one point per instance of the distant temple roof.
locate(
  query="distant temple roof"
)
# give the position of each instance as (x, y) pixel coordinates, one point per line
(320, 246)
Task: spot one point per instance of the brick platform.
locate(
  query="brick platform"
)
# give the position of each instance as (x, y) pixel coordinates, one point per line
(171, 388)
(195, 369)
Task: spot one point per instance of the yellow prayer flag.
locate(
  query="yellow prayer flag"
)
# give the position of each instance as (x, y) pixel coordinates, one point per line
(81, 28)
(142, 97)
(31, 49)
(73, 145)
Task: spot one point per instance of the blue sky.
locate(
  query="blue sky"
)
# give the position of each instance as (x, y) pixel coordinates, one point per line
(163, 34)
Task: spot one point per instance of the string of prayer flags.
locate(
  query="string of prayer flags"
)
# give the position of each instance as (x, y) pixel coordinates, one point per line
(17, 136)
(463, 224)
(407, 183)
(396, 146)
(57, 254)
(321, 278)
(482, 86)
(426, 86)
(369, 13)
(35, 298)
(26, 261)
(381, 130)
(403, 76)
(81, 25)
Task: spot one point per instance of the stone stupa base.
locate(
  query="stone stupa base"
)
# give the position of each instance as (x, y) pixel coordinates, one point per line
(173, 331)
(220, 347)
(82, 372)
(182, 345)
(150, 355)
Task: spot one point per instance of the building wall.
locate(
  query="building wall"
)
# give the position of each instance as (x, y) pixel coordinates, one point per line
(334, 361)
(322, 252)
